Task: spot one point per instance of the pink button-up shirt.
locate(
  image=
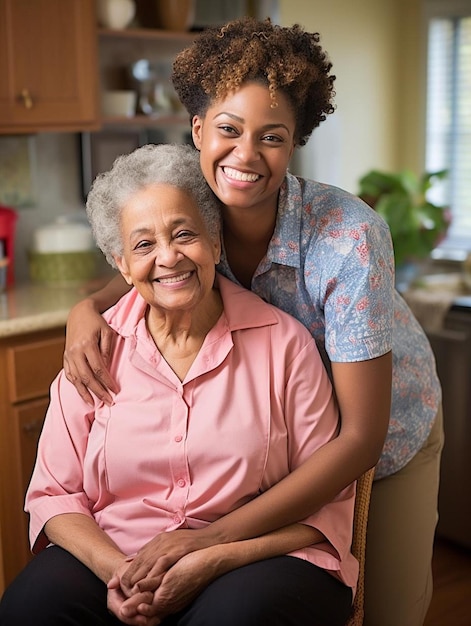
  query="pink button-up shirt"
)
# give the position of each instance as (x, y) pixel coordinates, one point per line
(254, 405)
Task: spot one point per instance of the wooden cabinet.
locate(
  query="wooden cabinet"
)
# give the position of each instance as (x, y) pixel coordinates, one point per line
(55, 62)
(48, 66)
(28, 364)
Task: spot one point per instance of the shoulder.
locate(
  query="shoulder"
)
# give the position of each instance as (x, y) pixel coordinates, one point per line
(126, 313)
(244, 309)
(340, 232)
(330, 205)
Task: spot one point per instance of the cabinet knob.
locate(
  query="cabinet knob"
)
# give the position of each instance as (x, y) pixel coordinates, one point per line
(27, 99)
(33, 429)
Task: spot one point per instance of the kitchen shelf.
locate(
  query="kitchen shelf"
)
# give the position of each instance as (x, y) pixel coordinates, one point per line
(147, 33)
(145, 121)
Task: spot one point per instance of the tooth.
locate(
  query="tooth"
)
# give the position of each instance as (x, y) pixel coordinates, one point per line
(175, 279)
(242, 176)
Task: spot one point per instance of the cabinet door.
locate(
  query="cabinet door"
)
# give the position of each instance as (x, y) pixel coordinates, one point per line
(48, 65)
(32, 366)
(28, 363)
(29, 420)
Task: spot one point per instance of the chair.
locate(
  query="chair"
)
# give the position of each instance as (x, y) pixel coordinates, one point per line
(360, 522)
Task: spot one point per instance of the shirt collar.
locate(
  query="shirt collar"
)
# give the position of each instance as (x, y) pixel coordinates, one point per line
(284, 247)
(242, 309)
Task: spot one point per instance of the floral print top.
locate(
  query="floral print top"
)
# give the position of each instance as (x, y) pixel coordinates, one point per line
(330, 265)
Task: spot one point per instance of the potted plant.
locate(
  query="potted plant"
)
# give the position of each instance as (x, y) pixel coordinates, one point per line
(417, 225)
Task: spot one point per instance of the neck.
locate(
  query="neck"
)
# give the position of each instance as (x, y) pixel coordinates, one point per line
(251, 225)
(247, 235)
(180, 335)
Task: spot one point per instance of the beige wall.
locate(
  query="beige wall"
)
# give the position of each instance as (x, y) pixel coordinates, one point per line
(375, 47)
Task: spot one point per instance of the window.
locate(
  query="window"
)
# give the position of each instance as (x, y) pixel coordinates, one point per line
(448, 126)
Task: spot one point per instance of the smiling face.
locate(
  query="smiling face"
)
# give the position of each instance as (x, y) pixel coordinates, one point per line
(245, 146)
(168, 254)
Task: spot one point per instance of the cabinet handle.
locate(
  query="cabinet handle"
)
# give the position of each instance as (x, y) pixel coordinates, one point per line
(33, 429)
(27, 99)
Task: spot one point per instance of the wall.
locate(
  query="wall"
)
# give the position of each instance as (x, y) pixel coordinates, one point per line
(374, 46)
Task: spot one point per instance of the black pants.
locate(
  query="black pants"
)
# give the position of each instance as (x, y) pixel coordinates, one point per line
(55, 589)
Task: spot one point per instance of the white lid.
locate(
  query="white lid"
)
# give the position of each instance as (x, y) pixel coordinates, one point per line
(63, 235)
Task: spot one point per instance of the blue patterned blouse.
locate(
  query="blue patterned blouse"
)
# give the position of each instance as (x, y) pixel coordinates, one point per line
(330, 265)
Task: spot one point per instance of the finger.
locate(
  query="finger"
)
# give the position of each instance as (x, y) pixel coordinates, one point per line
(130, 605)
(82, 376)
(148, 569)
(99, 360)
(114, 601)
(87, 384)
(137, 620)
(94, 375)
(138, 575)
(106, 342)
(113, 583)
(146, 609)
(80, 387)
(149, 583)
(131, 608)
(101, 374)
(135, 572)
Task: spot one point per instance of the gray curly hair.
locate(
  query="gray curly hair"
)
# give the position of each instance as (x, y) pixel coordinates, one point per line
(170, 164)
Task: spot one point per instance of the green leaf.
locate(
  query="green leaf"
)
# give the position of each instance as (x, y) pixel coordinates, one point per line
(400, 198)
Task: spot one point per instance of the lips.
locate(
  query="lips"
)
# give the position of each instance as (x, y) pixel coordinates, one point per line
(245, 177)
(173, 279)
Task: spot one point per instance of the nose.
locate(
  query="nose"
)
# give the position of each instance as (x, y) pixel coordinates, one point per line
(168, 255)
(247, 148)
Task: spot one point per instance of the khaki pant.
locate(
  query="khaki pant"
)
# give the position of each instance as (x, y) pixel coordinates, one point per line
(401, 528)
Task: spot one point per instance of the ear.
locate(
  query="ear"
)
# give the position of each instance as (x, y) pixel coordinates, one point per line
(196, 128)
(217, 250)
(292, 150)
(123, 268)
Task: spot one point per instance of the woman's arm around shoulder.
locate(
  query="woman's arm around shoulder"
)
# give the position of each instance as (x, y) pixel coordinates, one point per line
(89, 340)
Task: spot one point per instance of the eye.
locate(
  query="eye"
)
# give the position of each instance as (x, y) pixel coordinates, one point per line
(226, 128)
(185, 235)
(142, 245)
(273, 139)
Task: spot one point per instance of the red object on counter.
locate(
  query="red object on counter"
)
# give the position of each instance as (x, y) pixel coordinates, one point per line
(8, 219)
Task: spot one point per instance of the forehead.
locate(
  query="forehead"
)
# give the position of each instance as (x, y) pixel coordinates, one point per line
(161, 201)
(252, 101)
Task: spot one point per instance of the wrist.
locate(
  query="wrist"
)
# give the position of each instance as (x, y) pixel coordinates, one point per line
(220, 559)
(215, 534)
(110, 566)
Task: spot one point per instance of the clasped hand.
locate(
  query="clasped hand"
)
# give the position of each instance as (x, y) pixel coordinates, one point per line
(162, 578)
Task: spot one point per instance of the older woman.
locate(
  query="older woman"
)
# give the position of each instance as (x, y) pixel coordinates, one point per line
(221, 396)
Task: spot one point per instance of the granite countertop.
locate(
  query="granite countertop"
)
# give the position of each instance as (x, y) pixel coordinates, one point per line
(33, 307)
(432, 297)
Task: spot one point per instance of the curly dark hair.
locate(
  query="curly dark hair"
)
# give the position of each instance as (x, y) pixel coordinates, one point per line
(286, 59)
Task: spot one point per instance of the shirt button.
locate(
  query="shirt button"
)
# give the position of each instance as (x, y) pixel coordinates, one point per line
(177, 519)
(181, 483)
(178, 438)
